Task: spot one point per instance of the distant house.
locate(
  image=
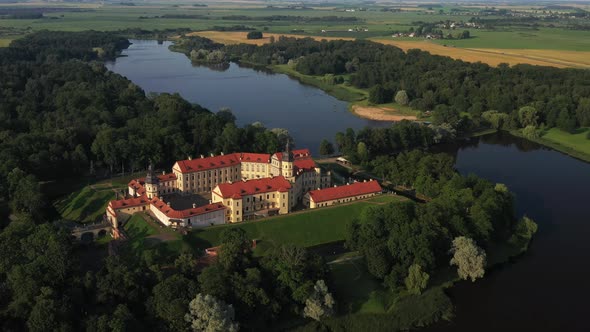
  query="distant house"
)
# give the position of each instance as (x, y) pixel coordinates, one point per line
(342, 194)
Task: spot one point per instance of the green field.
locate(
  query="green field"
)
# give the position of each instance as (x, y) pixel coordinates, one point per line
(307, 228)
(513, 38)
(379, 23)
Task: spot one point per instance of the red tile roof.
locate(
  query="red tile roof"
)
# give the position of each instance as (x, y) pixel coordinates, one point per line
(137, 184)
(350, 190)
(304, 164)
(203, 164)
(167, 177)
(183, 214)
(255, 186)
(255, 157)
(301, 153)
(297, 154)
(129, 202)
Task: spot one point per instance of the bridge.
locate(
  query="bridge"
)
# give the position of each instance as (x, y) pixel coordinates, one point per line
(90, 232)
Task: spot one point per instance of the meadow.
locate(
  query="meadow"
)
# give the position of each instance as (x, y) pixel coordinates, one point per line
(305, 228)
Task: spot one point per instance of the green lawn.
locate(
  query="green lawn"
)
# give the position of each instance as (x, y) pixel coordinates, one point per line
(354, 286)
(85, 205)
(144, 234)
(339, 91)
(576, 141)
(575, 145)
(306, 228)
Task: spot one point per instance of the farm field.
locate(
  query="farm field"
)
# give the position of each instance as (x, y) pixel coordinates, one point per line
(512, 45)
(306, 228)
(494, 57)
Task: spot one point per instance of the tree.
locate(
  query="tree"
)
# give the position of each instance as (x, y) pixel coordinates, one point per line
(377, 94)
(566, 121)
(417, 280)
(254, 35)
(362, 151)
(530, 132)
(235, 248)
(326, 148)
(208, 314)
(401, 97)
(320, 304)
(525, 228)
(528, 116)
(170, 299)
(43, 315)
(469, 258)
(186, 265)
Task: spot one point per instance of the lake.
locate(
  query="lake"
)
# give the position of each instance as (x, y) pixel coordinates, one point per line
(276, 100)
(546, 289)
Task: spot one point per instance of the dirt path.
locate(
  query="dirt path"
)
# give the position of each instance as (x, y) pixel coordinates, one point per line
(380, 113)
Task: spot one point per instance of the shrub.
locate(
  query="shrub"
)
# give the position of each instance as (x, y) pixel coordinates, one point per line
(254, 35)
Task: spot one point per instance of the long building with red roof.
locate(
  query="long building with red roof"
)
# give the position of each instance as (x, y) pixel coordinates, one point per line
(263, 197)
(342, 194)
(241, 184)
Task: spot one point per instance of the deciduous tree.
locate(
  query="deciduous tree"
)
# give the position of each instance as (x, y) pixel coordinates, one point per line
(469, 258)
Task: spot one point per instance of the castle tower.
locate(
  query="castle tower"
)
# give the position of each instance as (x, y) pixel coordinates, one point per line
(287, 162)
(152, 183)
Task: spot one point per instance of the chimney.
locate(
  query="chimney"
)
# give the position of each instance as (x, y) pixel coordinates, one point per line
(163, 172)
(335, 186)
(222, 153)
(202, 156)
(190, 158)
(194, 206)
(210, 202)
(212, 155)
(168, 203)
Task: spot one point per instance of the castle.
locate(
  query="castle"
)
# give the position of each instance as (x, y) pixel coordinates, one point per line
(241, 186)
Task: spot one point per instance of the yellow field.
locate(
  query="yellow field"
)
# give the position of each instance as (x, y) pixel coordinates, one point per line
(5, 42)
(237, 37)
(494, 57)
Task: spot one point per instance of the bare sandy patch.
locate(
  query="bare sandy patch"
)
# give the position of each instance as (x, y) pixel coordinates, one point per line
(380, 113)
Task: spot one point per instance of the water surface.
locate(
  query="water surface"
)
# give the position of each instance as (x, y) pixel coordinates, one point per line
(276, 100)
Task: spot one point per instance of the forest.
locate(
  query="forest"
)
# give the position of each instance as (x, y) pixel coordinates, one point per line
(455, 91)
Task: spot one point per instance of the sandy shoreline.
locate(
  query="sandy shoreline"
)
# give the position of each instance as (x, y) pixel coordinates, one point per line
(380, 113)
